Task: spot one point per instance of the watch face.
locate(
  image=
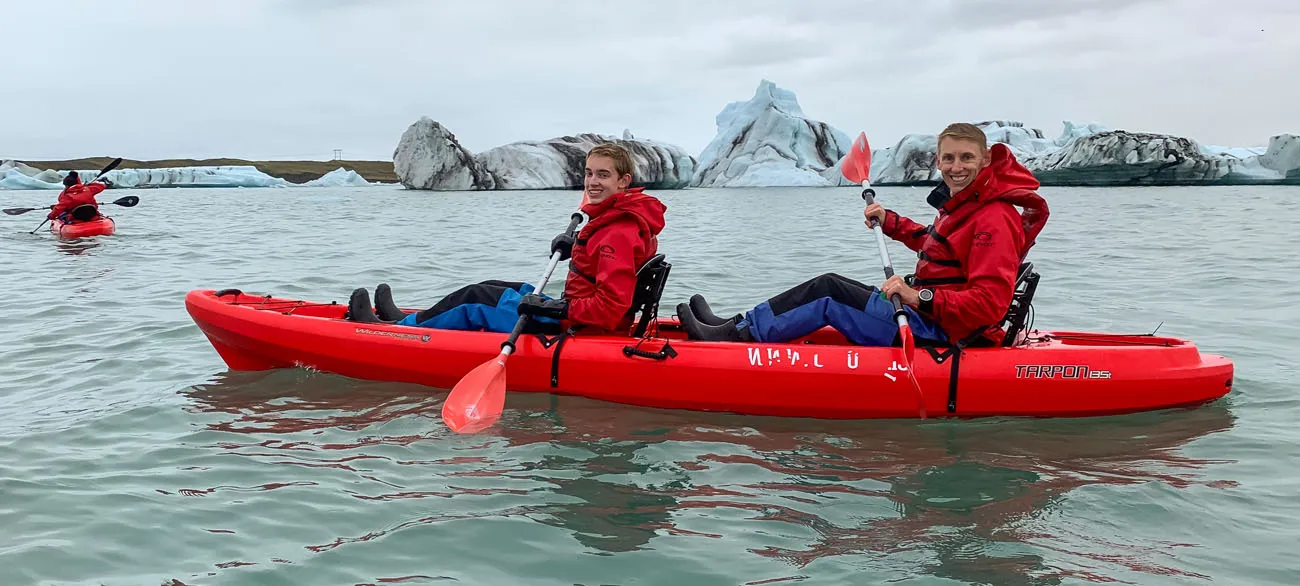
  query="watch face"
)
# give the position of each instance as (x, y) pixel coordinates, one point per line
(926, 295)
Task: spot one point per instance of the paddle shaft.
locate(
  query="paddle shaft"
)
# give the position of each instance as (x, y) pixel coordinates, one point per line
(900, 316)
(126, 201)
(508, 346)
(856, 167)
(869, 195)
(110, 167)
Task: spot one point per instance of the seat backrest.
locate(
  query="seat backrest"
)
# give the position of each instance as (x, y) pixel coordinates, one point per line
(1021, 302)
(84, 213)
(650, 281)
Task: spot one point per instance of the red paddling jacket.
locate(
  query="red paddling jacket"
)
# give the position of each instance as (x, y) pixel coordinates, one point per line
(76, 195)
(620, 236)
(971, 253)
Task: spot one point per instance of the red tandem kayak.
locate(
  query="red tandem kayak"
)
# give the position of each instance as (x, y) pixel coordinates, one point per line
(101, 226)
(1053, 374)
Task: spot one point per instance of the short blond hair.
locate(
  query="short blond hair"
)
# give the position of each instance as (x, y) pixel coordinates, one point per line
(622, 158)
(965, 131)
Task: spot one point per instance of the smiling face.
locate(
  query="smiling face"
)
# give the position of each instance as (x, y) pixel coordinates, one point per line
(602, 179)
(960, 161)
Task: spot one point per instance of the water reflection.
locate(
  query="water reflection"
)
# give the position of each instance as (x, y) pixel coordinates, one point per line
(973, 495)
(606, 515)
(290, 401)
(977, 501)
(77, 247)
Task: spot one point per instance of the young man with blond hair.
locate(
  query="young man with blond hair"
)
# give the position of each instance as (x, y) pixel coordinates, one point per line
(965, 276)
(621, 234)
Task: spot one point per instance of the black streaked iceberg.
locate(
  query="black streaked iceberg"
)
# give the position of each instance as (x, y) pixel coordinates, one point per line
(428, 156)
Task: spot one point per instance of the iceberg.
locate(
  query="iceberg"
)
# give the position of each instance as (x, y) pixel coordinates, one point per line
(1283, 156)
(15, 180)
(18, 167)
(429, 156)
(1279, 162)
(1119, 157)
(910, 162)
(338, 178)
(222, 176)
(1073, 131)
(1126, 158)
(1026, 142)
(558, 163)
(767, 141)
(1235, 152)
(16, 175)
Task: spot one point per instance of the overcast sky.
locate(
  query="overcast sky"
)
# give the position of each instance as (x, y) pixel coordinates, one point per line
(295, 79)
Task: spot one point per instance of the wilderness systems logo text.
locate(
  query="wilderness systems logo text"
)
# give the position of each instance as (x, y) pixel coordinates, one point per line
(415, 337)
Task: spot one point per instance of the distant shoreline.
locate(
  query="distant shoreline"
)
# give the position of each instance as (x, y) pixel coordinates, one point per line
(291, 171)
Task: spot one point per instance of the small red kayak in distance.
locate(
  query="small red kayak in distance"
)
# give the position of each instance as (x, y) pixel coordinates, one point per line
(101, 226)
(1051, 374)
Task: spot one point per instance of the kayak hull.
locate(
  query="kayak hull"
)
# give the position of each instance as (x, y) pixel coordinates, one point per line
(1056, 374)
(101, 226)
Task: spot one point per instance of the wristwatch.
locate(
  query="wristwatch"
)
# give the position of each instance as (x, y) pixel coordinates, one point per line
(927, 300)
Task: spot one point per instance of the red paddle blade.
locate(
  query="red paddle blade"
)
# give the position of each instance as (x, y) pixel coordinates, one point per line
(476, 401)
(857, 163)
(909, 350)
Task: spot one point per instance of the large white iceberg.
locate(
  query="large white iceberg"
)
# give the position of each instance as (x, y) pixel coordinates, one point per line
(429, 156)
(767, 141)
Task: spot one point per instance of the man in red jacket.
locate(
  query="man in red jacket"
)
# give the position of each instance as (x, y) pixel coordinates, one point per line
(621, 234)
(965, 275)
(75, 195)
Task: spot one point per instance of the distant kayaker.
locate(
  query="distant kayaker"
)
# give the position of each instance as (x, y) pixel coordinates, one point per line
(965, 278)
(77, 199)
(621, 234)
